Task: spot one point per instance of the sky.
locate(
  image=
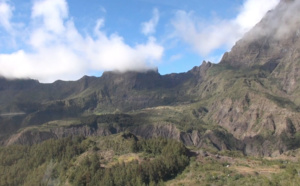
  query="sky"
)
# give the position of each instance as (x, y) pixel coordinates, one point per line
(52, 40)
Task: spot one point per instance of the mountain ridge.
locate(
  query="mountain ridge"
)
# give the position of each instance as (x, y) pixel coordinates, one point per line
(250, 101)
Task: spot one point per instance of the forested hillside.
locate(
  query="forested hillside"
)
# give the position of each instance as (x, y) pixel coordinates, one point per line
(115, 160)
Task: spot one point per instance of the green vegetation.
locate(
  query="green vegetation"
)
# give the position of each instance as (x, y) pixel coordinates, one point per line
(28, 165)
(284, 102)
(229, 170)
(115, 160)
(125, 159)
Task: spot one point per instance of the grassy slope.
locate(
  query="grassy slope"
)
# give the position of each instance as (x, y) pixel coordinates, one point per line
(232, 168)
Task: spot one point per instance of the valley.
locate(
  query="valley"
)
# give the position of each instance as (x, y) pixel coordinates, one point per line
(232, 123)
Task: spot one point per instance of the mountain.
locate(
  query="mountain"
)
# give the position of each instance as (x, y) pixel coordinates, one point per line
(273, 45)
(247, 102)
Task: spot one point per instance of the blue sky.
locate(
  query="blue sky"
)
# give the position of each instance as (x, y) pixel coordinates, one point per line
(66, 39)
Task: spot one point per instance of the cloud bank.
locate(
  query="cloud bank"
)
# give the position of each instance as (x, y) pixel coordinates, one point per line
(58, 51)
(205, 37)
(282, 23)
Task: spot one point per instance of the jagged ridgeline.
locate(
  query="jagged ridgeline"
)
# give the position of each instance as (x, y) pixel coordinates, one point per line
(248, 102)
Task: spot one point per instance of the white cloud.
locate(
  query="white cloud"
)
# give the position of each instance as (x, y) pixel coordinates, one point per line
(282, 23)
(150, 26)
(5, 14)
(59, 51)
(205, 37)
(52, 13)
(46, 65)
(252, 12)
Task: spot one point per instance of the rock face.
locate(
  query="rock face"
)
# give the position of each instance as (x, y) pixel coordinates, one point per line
(273, 45)
(248, 102)
(194, 138)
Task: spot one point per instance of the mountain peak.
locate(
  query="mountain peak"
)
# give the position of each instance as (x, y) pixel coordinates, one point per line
(274, 38)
